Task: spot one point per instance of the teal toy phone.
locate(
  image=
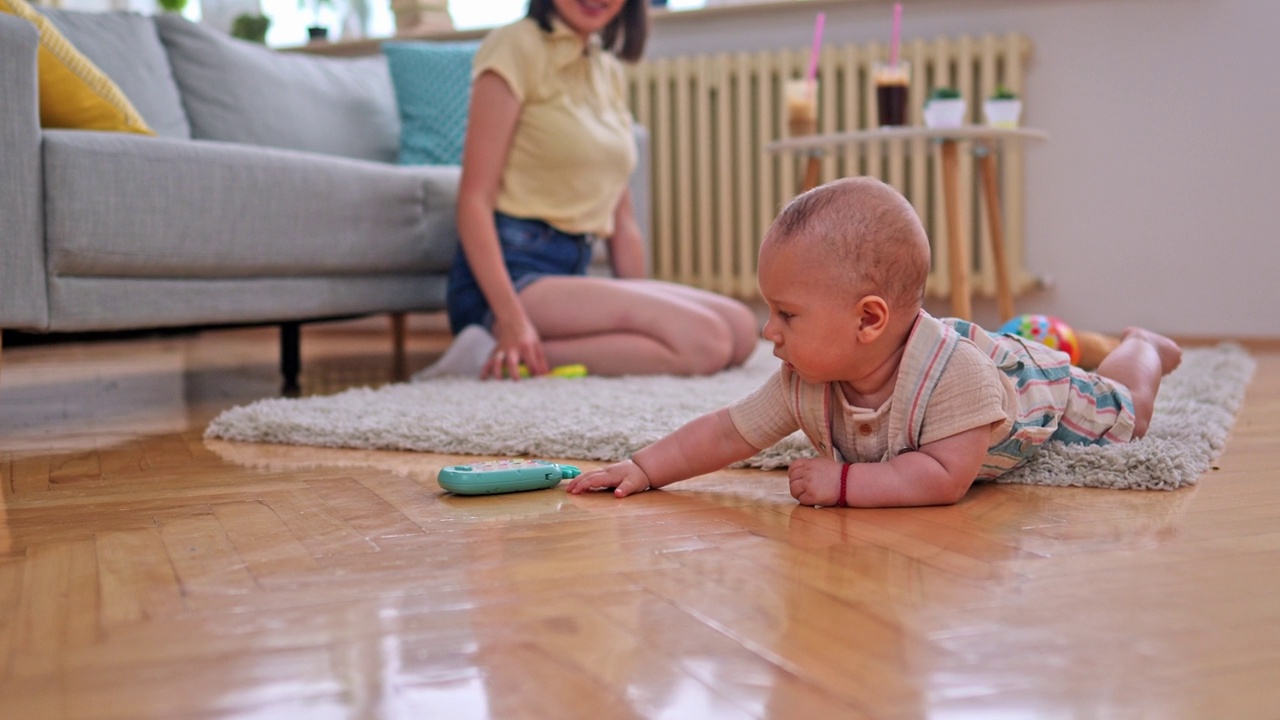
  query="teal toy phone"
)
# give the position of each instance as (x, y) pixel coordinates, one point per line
(503, 476)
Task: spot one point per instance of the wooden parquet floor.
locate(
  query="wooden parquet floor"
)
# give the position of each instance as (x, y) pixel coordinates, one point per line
(148, 573)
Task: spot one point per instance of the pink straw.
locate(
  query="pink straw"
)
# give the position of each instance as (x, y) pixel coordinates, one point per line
(817, 46)
(897, 33)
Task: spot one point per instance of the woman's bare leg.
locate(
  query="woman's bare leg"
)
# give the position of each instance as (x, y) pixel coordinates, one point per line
(622, 327)
(741, 320)
(1140, 361)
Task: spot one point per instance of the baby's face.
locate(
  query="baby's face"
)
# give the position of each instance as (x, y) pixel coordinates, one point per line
(809, 314)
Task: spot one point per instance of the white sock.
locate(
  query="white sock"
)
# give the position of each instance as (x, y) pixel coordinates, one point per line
(465, 357)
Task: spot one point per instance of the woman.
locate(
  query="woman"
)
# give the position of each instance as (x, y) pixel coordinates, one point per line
(548, 153)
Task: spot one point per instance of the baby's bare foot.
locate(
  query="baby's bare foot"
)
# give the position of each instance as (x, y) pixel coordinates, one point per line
(1168, 350)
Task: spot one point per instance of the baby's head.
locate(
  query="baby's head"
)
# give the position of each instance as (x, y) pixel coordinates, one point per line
(861, 237)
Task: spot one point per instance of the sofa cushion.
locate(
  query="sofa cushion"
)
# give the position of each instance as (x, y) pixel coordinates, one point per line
(433, 91)
(127, 207)
(126, 47)
(92, 303)
(239, 91)
(74, 93)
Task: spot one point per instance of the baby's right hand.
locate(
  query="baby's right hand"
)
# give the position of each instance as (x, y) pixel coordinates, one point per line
(625, 477)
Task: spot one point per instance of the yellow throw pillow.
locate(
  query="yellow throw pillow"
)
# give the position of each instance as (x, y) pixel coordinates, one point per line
(74, 93)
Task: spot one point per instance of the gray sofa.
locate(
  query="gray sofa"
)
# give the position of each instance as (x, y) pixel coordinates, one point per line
(269, 196)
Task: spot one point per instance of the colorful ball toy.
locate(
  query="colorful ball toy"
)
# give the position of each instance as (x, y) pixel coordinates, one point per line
(1047, 330)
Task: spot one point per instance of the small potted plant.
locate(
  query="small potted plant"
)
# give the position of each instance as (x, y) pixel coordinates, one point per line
(251, 27)
(1003, 109)
(945, 108)
(316, 31)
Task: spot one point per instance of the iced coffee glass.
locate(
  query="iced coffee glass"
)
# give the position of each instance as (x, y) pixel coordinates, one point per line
(891, 83)
(801, 96)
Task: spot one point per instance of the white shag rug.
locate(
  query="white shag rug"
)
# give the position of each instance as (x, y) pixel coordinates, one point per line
(597, 418)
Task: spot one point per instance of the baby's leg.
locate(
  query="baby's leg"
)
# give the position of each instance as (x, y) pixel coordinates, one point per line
(1140, 361)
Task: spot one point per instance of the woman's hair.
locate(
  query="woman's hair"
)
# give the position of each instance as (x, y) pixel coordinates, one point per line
(625, 36)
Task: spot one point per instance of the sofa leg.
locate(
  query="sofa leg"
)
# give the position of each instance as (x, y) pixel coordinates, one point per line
(399, 364)
(290, 358)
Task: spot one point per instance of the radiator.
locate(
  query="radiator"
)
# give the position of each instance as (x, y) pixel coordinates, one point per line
(715, 189)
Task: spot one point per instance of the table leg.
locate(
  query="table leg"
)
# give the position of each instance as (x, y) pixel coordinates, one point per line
(957, 248)
(811, 172)
(399, 365)
(1004, 293)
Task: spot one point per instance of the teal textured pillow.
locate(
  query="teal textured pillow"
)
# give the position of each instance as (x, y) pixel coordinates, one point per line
(433, 89)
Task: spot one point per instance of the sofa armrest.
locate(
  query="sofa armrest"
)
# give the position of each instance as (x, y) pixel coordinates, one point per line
(23, 292)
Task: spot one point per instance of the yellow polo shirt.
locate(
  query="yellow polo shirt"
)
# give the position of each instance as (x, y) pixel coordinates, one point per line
(573, 150)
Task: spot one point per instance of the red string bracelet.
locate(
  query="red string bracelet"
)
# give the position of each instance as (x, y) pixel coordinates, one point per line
(844, 482)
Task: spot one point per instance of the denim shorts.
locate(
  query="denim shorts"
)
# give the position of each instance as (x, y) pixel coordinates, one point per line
(532, 249)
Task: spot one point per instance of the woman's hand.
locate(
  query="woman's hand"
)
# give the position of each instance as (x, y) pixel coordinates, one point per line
(518, 343)
(626, 477)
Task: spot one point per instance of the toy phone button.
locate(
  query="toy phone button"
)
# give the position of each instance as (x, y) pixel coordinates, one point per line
(568, 472)
(462, 468)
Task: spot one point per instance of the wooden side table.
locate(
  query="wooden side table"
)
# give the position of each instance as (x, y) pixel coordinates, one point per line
(987, 141)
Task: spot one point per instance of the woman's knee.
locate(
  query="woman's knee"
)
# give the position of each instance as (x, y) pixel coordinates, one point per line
(703, 343)
(746, 333)
(721, 334)
(741, 324)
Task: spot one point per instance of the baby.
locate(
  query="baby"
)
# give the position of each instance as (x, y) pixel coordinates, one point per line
(902, 408)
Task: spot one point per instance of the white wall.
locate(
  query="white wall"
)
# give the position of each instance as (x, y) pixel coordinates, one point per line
(1155, 200)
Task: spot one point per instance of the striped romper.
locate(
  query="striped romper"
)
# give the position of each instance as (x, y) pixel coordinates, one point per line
(1047, 399)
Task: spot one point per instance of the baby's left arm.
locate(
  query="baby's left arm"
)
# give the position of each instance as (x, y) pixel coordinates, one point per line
(939, 473)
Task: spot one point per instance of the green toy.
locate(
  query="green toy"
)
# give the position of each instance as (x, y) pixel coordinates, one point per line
(503, 476)
(576, 370)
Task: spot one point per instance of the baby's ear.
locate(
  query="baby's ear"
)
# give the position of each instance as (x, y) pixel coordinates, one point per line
(873, 317)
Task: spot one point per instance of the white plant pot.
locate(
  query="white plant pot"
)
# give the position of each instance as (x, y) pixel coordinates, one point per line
(1002, 113)
(944, 113)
